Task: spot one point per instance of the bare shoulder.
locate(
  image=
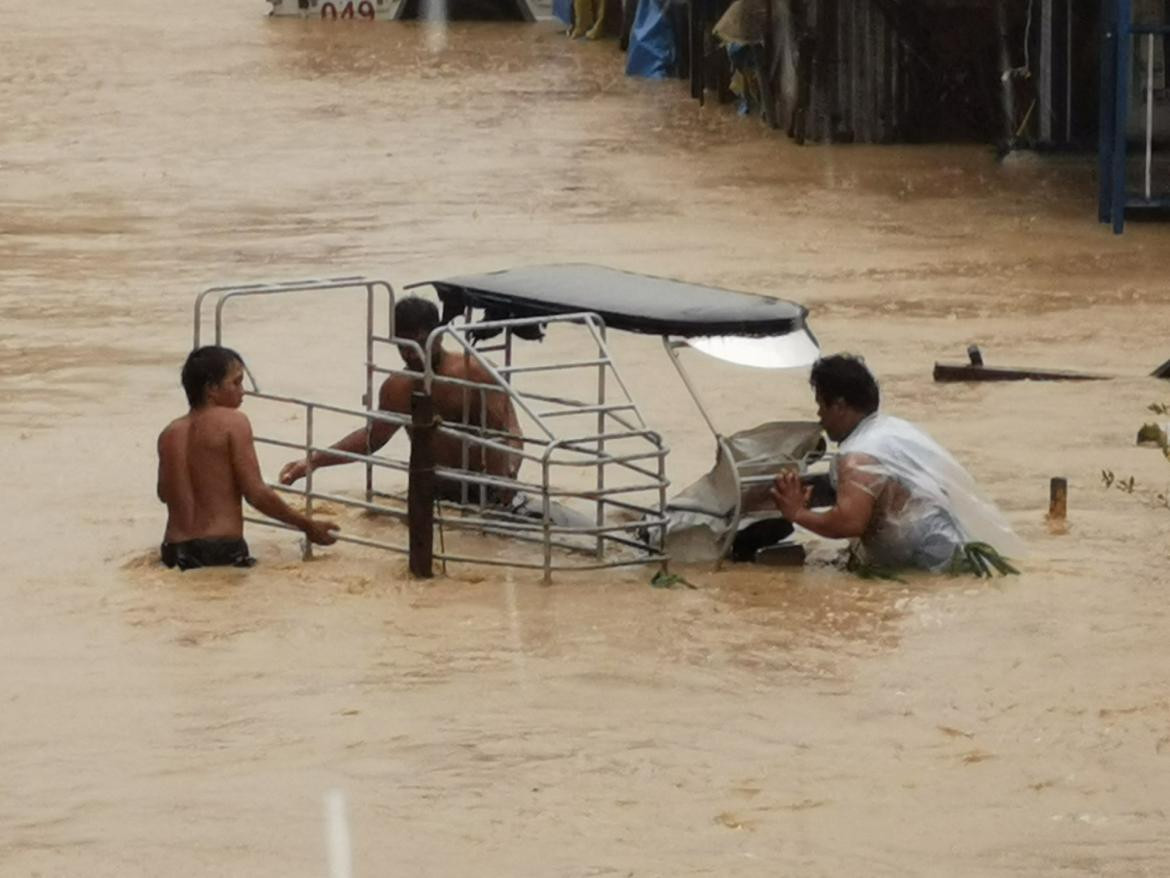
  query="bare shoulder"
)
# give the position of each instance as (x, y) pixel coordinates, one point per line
(231, 421)
(394, 395)
(174, 428)
(474, 370)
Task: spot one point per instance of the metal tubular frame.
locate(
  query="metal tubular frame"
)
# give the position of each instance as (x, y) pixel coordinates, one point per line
(550, 451)
(503, 377)
(225, 293)
(741, 481)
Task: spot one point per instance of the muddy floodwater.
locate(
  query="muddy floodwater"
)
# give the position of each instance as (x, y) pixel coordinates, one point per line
(767, 722)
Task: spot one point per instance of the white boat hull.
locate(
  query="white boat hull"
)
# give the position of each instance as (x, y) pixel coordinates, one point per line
(373, 10)
(330, 10)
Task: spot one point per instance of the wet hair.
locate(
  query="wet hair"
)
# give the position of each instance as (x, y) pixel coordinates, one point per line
(415, 316)
(206, 367)
(845, 377)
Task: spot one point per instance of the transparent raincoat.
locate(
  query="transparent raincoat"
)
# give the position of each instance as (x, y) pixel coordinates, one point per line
(925, 504)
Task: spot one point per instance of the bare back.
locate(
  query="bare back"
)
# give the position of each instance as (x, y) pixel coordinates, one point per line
(492, 409)
(196, 476)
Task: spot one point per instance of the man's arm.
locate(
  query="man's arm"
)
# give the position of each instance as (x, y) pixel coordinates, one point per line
(246, 468)
(361, 441)
(503, 417)
(848, 518)
(161, 493)
(174, 483)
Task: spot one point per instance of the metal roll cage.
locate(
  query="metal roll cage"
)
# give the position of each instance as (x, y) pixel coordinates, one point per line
(609, 544)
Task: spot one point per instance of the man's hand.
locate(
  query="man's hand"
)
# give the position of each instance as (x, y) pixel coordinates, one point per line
(292, 471)
(789, 494)
(321, 532)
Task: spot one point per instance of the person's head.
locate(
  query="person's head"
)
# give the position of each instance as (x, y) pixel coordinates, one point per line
(214, 375)
(846, 392)
(414, 318)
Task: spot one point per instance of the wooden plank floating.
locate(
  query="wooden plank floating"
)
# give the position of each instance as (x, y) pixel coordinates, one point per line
(974, 370)
(946, 372)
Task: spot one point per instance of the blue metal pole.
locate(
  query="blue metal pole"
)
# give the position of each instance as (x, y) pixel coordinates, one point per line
(1124, 42)
(1106, 110)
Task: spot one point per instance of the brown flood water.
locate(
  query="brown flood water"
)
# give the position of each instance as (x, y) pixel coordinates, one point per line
(765, 723)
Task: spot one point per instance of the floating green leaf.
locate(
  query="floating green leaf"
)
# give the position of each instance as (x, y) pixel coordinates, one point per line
(980, 559)
(662, 579)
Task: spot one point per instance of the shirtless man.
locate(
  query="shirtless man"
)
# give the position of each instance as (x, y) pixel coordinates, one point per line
(414, 319)
(207, 463)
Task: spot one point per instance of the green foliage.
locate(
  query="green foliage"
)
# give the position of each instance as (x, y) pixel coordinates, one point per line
(662, 579)
(865, 570)
(1110, 480)
(1152, 434)
(980, 559)
(1148, 434)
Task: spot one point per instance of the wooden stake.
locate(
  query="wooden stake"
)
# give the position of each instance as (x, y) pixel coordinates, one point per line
(1058, 499)
(420, 497)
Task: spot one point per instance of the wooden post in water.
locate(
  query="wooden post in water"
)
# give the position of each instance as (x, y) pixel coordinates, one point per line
(420, 497)
(1058, 499)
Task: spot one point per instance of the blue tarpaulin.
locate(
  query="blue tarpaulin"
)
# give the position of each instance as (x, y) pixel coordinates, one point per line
(652, 52)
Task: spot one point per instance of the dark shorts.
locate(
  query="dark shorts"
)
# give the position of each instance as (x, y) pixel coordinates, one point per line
(190, 554)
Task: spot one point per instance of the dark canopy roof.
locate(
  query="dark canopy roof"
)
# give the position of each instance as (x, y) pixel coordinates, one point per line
(626, 301)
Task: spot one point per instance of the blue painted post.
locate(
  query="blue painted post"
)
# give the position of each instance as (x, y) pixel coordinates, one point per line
(1124, 43)
(1106, 111)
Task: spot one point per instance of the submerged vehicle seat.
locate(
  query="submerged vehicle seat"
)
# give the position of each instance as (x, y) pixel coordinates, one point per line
(707, 515)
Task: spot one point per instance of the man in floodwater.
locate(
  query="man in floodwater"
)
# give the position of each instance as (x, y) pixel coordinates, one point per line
(207, 463)
(901, 497)
(414, 319)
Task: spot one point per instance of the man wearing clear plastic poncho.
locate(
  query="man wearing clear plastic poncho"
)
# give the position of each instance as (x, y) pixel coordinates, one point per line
(901, 497)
